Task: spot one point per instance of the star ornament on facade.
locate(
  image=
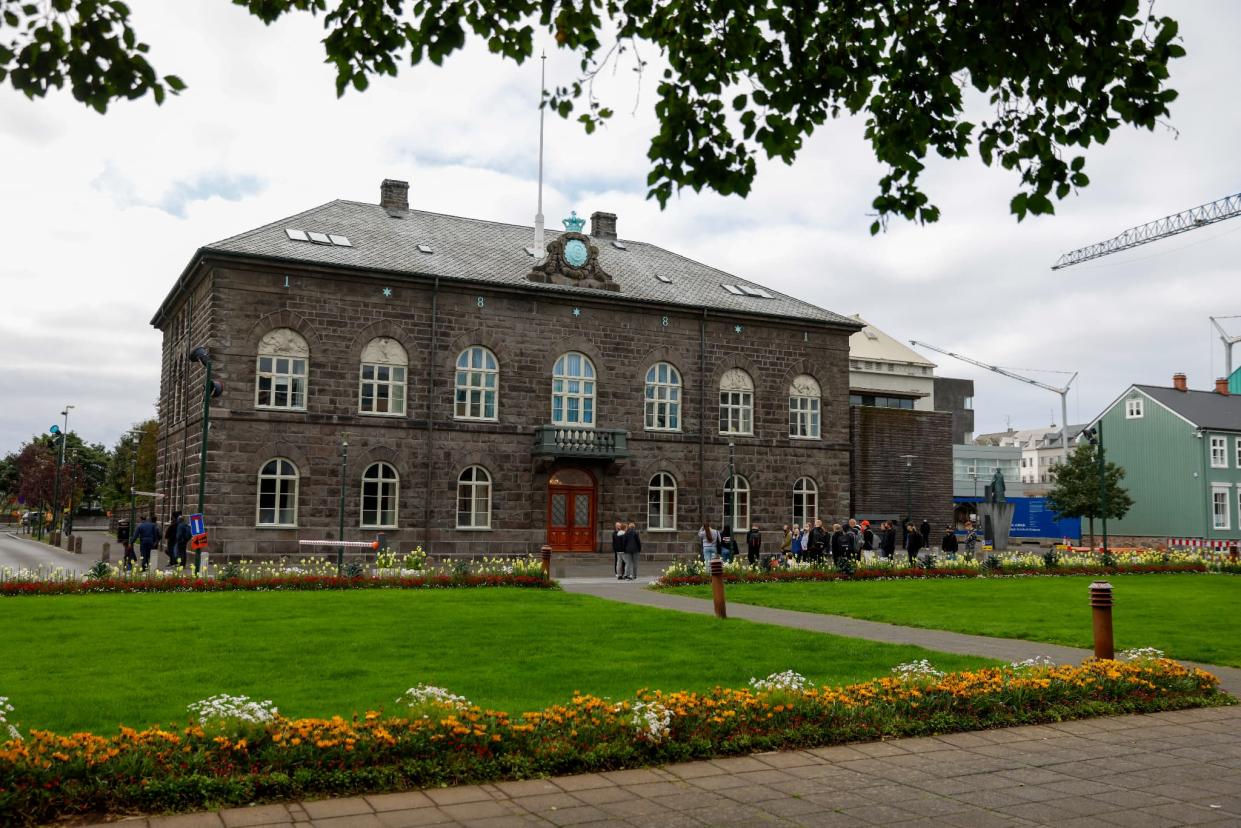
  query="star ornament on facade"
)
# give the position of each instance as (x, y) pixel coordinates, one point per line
(736, 329)
(387, 293)
(577, 311)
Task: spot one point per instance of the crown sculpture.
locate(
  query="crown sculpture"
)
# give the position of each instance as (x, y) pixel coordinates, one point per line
(572, 260)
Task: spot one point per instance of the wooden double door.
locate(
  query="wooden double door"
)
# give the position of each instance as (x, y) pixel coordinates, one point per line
(571, 507)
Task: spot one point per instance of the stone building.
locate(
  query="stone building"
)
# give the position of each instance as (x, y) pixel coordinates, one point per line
(491, 400)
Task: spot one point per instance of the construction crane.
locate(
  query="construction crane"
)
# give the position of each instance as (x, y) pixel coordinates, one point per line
(1063, 392)
(1191, 219)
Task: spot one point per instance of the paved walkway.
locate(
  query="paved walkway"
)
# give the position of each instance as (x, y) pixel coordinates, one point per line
(1003, 649)
(1181, 768)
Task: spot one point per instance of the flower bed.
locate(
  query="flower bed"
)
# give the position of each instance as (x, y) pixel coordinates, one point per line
(693, 572)
(305, 574)
(242, 751)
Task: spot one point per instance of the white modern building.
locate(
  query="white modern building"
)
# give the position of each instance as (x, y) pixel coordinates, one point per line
(974, 466)
(886, 373)
(1041, 451)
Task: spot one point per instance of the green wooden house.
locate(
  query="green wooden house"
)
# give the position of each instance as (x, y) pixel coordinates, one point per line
(1181, 451)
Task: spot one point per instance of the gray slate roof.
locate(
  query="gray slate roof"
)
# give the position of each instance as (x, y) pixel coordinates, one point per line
(473, 250)
(1205, 409)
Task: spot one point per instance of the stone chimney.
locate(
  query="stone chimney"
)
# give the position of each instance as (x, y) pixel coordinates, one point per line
(394, 195)
(1179, 382)
(1221, 386)
(603, 225)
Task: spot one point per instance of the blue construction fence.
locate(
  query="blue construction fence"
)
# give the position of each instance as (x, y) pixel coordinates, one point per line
(1032, 519)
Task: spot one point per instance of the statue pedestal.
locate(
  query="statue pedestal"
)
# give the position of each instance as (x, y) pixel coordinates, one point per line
(997, 522)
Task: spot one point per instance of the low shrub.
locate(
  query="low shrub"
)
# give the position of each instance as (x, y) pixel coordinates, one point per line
(230, 759)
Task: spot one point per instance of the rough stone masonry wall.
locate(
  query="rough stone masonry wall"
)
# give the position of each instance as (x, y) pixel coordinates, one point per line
(339, 313)
(879, 437)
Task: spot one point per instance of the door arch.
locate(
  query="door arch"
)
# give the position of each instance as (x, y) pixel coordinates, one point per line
(571, 500)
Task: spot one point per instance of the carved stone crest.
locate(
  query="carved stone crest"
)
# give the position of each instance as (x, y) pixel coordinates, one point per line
(572, 260)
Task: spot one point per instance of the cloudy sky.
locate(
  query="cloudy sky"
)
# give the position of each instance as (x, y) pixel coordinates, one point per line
(101, 213)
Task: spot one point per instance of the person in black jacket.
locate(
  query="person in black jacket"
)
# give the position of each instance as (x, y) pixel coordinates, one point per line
(754, 545)
(841, 545)
(925, 531)
(819, 539)
(949, 543)
(887, 544)
(633, 546)
(170, 539)
(913, 543)
(618, 551)
(147, 538)
(183, 540)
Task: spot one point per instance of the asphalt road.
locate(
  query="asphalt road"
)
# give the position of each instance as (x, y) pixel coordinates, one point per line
(17, 552)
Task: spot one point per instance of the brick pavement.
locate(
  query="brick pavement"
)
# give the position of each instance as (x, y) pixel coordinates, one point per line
(1178, 768)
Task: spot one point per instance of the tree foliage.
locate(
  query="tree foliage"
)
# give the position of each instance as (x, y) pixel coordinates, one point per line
(741, 80)
(1075, 489)
(138, 444)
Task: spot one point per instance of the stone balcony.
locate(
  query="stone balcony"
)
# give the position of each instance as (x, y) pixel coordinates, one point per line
(584, 443)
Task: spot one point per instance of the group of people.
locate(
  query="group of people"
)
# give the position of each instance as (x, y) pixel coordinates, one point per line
(147, 536)
(626, 545)
(817, 543)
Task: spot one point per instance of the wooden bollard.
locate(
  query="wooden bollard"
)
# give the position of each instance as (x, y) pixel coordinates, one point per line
(547, 562)
(717, 587)
(1101, 606)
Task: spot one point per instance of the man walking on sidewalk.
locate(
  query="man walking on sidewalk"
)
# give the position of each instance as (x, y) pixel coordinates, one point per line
(632, 547)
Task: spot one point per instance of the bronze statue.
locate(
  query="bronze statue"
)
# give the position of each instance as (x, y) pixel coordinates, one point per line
(997, 487)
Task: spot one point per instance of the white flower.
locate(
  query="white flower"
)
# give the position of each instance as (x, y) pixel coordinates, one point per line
(1037, 662)
(788, 680)
(430, 694)
(224, 707)
(6, 726)
(920, 669)
(652, 720)
(1140, 654)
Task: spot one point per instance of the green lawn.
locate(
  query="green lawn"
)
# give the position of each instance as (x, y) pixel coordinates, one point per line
(89, 662)
(1193, 617)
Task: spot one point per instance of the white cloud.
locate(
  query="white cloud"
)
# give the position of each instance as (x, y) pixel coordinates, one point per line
(100, 214)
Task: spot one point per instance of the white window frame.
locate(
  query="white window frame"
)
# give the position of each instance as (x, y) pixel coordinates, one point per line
(373, 476)
(737, 403)
(284, 351)
(477, 387)
(1134, 409)
(280, 478)
(808, 490)
(574, 391)
(741, 504)
(1219, 452)
(805, 409)
(480, 479)
(661, 493)
(662, 398)
(383, 354)
(1217, 493)
(1236, 442)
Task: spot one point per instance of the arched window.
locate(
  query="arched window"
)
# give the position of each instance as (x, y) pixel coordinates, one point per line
(737, 504)
(661, 502)
(736, 402)
(381, 385)
(478, 380)
(281, 376)
(804, 401)
(380, 488)
(663, 398)
(277, 500)
(573, 390)
(474, 499)
(805, 501)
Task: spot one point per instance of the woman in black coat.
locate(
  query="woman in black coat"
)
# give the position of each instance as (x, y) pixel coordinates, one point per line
(841, 548)
(949, 543)
(913, 543)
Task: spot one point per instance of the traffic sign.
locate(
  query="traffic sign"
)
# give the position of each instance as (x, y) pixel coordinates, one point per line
(197, 526)
(198, 542)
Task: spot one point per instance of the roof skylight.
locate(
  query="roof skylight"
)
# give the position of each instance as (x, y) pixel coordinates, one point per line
(315, 237)
(758, 293)
(422, 248)
(619, 245)
(733, 289)
(661, 277)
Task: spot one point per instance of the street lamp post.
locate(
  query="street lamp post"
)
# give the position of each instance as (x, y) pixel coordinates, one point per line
(909, 488)
(211, 389)
(60, 461)
(732, 483)
(133, 487)
(344, 462)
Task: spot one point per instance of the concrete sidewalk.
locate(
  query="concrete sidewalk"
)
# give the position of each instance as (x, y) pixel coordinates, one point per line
(1002, 649)
(1180, 768)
